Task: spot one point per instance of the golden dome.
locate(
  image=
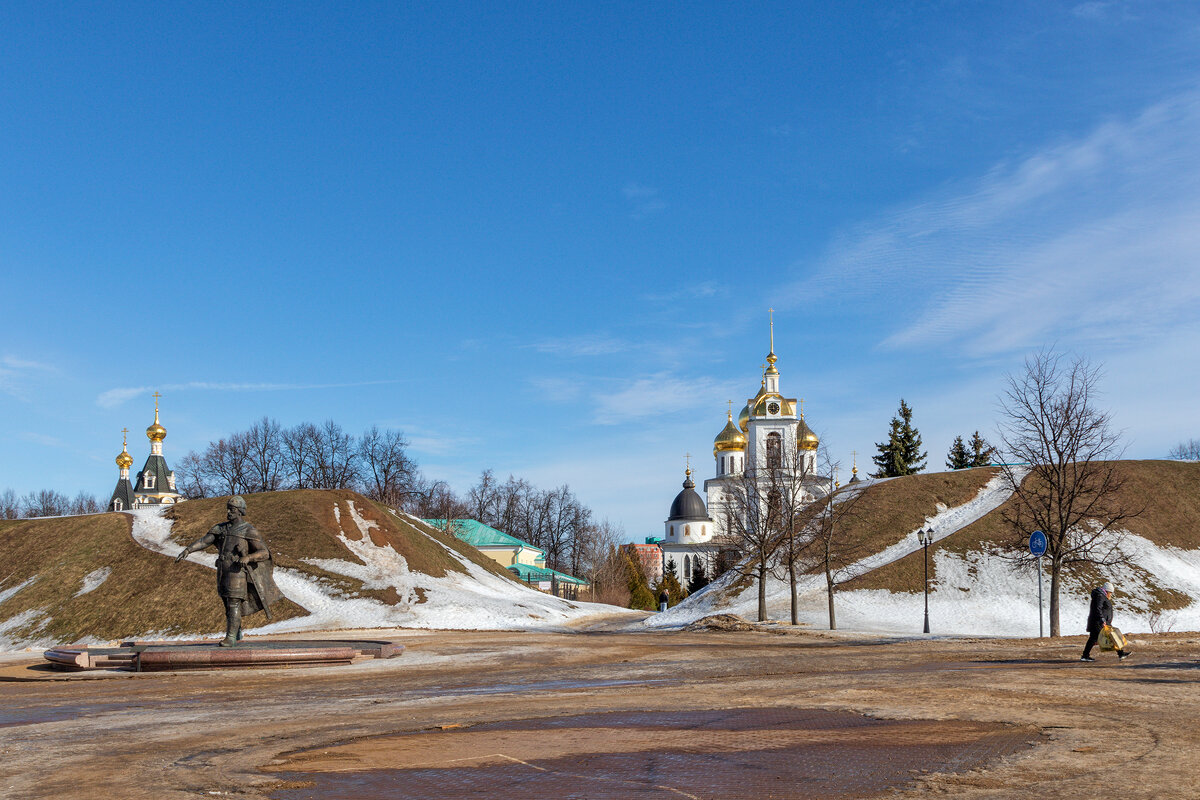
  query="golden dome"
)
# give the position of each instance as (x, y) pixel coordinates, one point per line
(124, 461)
(744, 419)
(805, 438)
(758, 406)
(730, 438)
(156, 432)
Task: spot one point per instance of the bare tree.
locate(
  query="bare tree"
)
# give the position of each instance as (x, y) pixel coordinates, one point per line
(792, 482)
(334, 459)
(192, 481)
(387, 471)
(264, 456)
(299, 444)
(594, 549)
(1051, 423)
(1186, 451)
(84, 503)
(833, 543)
(753, 518)
(10, 506)
(45, 503)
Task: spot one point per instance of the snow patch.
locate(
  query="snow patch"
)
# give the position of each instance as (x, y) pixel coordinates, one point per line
(93, 579)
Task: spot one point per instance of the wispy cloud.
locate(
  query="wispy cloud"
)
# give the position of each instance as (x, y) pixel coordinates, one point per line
(115, 397)
(16, 373)
(644, 200)
(1090, 240)
(42, 439)
(584, 345)
(656, 395)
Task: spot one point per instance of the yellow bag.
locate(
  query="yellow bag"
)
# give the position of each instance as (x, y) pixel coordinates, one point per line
(1112, 639)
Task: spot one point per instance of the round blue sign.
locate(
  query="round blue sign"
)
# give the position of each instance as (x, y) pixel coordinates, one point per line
(1037, 543)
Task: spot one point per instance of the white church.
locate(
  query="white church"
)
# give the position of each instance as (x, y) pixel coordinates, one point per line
(768, 436)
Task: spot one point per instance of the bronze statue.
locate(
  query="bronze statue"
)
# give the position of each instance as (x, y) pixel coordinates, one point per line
(245, 571)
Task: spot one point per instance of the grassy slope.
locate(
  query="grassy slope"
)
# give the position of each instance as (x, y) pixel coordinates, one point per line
(146, 592)
(1172, 517)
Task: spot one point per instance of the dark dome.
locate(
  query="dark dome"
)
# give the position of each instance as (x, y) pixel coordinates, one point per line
(688, 504)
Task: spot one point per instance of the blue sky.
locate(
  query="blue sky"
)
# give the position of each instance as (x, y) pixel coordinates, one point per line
(542, 238)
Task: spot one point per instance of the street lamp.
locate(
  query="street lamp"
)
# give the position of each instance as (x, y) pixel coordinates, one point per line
(925, 537)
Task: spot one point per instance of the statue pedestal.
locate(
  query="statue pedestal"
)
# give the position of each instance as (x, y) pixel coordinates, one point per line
(136, 656)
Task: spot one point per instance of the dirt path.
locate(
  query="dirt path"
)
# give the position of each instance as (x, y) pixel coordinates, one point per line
(1119, 730)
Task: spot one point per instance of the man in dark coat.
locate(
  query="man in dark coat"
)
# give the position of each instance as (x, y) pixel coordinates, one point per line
(245, 571)
(1099, 615)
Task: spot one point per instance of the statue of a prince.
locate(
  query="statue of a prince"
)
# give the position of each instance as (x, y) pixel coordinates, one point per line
(245, 571)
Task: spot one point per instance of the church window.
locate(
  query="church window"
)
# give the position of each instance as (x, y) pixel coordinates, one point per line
(774, 451)
(171, 481)
(148, 479)
(687, 530)
(116, 504)
(672, 531)
(687, 566)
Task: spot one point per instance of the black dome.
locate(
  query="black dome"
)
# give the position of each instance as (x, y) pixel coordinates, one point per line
(688, 504)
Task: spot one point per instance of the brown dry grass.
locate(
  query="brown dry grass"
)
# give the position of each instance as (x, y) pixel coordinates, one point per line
(1170, 491)
(145, 592)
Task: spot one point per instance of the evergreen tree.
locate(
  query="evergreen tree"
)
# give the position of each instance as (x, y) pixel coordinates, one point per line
(675, 591)
(640, 595)
(901, 453)
(981, 451)
(958, 457)
(699, 579)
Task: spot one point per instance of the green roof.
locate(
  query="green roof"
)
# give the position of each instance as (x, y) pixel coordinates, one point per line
(477, 534)
(528, 573)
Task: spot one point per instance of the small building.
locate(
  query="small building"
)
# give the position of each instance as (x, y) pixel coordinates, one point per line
(520, 558)
(650, 555)
(155, 483)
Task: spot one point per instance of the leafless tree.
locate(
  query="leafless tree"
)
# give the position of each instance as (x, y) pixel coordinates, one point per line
(1072, 492)
(753, 517)
(833, 543)
(1186, 451)
(10, 506)
(264, 456)
(299, 444)
(334, 458)
(45, 503)
(387, 471)
(191, 477)
(595, 549)
(792, 482)
(84, 503)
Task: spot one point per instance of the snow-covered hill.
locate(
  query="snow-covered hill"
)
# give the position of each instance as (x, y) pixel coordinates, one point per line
(973, 589)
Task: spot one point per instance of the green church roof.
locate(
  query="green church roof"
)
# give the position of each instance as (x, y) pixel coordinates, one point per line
(477, 534)
(530, 574)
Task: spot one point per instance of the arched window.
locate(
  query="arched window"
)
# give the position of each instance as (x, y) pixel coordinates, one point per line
(687, 566)
(148, 479)
(687, 530)
(672, 531)
(116, 504)
(774, 451)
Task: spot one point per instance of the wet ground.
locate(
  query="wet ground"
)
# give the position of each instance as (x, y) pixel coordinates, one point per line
(614, 715)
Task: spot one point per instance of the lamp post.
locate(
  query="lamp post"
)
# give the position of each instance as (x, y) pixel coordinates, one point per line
(925, 537)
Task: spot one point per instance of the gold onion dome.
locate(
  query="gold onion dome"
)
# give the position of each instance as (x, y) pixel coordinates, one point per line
(730, 438)
(744, 419)
(156, 432)
(124, 461)
(805, 438)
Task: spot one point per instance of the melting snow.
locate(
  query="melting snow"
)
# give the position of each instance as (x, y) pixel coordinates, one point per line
(477, 600)
(93, 579)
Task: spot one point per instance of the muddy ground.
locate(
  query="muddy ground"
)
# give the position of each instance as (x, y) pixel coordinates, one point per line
(609, 714)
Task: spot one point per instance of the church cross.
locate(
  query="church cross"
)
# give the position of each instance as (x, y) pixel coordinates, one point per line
(156, 395)
(124, 439)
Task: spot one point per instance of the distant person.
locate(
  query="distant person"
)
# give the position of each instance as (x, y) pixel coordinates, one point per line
(1099, 615)
(663, 599)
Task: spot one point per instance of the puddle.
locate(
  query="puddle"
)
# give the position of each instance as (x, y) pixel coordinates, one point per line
(730, 753)
(10, 717)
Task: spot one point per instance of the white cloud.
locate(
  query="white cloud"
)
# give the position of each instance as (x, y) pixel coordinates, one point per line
(16, 373)
(115, 397)
(644, 200)
(1090, 242)
(657, 395)
(583, 345)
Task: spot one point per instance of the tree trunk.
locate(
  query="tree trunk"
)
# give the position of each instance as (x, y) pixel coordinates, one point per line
(795, 603)
(829, 591)
(1054, 585)
(762, 590)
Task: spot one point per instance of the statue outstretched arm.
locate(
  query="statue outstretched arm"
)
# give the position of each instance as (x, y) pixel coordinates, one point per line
(201, 543)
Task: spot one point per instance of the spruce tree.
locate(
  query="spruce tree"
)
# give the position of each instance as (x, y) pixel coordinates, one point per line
(639, 588)
(901, 453)
(699, 579)
(981, 451)
(958, 458)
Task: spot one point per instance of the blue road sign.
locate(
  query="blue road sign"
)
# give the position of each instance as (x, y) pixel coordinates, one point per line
(1037, 543)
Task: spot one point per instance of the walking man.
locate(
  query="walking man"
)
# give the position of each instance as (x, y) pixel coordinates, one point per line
(1099, 615)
